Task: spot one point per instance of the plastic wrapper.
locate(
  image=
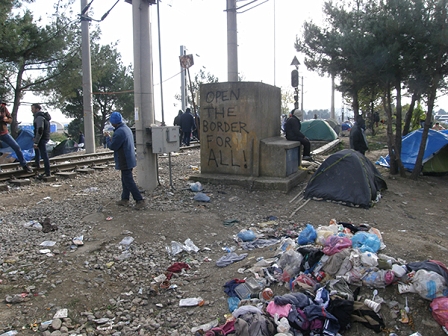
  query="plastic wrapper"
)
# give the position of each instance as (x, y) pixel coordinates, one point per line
(323, 232)
(246, 235)
(307, 236)
(290, 263)
(439, 310)
(335, 244)
(429, 285)
(366, 242)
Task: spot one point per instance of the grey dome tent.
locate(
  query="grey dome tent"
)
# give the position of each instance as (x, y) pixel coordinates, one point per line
(318, 130)
(347, 177)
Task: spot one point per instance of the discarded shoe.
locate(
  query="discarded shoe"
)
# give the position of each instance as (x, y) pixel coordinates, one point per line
(27, 169)
(123, 202)
(140, 205)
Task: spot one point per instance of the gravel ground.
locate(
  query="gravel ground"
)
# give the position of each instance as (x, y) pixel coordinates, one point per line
(108, 287)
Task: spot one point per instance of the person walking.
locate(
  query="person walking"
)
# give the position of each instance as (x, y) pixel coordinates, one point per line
(5, 119)
(187, 125)
(293, 133)
(122, 144)
(358, 140)
(41, 125)
(176, 122)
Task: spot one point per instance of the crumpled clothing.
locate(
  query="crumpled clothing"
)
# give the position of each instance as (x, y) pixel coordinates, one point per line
(282, 311)
(229, 287)
(258, 243)
(230, 258)
(246, 309)
(331, 324)
(176, 268)
(299, 300)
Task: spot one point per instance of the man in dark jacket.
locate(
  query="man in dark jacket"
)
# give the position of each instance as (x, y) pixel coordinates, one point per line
(187, 125)
(358, 140)
(41, 125)
(176, 122)
(292, 131)
(122, 144)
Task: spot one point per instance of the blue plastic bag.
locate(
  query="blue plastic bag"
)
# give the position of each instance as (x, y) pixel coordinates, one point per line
(307, 236)
(246, 235)
(366, 242)
(233, 302)
(201, 197)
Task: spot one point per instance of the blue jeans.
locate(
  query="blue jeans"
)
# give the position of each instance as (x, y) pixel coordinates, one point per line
(41, 151)
(129, 186)
(9, 140)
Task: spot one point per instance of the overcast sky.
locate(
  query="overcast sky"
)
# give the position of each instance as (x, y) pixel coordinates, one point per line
(266, 36)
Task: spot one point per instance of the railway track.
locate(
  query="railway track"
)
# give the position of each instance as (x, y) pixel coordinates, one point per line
(59, 164)
(65, 165)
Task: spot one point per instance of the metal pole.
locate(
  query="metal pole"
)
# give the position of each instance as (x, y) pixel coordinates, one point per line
(143, 95)
(301, 99)
(232, 44)
(89, 130)
(183, 87)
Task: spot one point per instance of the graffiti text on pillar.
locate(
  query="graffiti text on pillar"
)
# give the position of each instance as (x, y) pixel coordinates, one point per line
(225, 130)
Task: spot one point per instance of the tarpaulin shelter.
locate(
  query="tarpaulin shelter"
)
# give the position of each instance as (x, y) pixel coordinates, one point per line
(435, 157)
(66, 146)
(347, 177)
(334, 125)
(25, 141)
(318, 130)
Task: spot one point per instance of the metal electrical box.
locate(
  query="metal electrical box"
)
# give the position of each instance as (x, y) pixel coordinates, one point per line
(165, 139)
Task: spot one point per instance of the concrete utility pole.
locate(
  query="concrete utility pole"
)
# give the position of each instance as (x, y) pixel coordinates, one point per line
(232, 42)
(183, 81)
(332, 114)
(143, 93)
(89, 132)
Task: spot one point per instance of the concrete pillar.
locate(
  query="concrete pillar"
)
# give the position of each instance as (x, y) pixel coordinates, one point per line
(89, 129)
(143, 94)
(232, 42)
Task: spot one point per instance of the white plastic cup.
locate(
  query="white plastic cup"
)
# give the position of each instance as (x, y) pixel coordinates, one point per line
(375, 306)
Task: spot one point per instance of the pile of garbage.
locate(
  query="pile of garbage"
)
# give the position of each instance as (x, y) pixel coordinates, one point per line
(320, 268)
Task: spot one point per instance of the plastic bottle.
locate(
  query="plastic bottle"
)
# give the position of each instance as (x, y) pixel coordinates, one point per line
(191, 302)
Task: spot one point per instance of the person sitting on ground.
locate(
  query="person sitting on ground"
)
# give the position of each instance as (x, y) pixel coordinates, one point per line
(5, 118)
(438, 127)
(358, 140)
(293, 133)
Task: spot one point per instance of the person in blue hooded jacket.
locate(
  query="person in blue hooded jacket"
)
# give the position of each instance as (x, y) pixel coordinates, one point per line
(122, 144)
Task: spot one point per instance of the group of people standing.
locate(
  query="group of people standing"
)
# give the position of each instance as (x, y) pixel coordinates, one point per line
(41, 137)
(188, 126)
